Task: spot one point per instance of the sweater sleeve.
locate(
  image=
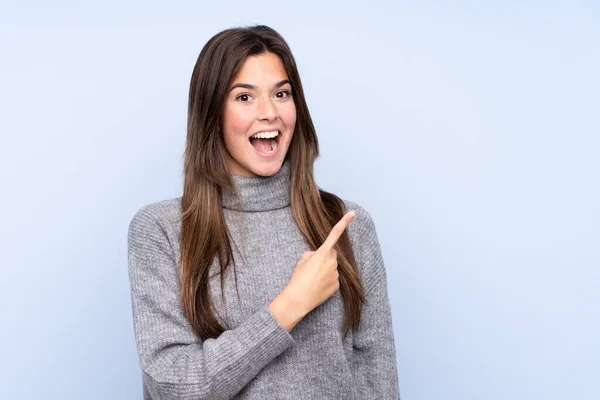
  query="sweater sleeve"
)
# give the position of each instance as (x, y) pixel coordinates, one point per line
(175, 362)
(374, 356)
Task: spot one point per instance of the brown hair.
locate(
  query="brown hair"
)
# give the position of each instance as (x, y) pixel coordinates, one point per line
(204, 233)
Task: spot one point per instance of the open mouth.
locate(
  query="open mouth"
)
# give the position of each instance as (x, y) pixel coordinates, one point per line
(266, 146)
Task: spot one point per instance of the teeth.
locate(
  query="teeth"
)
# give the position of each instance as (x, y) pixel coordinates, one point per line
(266, 135)
(273, 144)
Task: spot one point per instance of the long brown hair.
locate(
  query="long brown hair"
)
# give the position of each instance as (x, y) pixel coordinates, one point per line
(204, 233)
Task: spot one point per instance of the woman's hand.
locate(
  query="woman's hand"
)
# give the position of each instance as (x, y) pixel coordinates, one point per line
(316, 276)
(314, 280)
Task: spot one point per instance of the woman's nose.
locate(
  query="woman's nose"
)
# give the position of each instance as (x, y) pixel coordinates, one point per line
(267, 110)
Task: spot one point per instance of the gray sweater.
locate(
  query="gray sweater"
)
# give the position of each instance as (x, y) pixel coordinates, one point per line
(257, 358)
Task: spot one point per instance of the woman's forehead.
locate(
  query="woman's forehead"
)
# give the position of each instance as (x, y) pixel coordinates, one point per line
(263, 71)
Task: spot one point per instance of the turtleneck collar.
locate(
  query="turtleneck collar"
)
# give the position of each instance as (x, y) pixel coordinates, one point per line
(260, 193)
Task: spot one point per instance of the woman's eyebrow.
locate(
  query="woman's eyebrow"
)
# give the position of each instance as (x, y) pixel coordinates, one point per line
(249, 86)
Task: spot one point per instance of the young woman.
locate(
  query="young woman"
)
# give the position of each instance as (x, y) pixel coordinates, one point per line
(256, 283)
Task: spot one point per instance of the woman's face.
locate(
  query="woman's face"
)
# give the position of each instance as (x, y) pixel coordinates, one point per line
(259, 100)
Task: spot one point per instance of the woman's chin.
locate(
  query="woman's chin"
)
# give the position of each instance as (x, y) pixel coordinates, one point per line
(266, 168)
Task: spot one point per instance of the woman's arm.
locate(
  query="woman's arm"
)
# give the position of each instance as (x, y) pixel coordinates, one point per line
(176, 363)
(374, 360)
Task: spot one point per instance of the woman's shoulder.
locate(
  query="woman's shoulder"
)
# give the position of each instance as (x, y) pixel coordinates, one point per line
(365, 242)
(363, 221)
(162, 213)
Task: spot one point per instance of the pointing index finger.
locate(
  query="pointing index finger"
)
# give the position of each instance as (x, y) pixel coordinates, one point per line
(338, 230)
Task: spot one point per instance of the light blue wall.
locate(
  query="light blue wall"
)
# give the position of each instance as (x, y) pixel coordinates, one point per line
(471, 134)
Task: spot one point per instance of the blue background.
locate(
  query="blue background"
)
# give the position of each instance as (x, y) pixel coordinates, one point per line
(469, 132)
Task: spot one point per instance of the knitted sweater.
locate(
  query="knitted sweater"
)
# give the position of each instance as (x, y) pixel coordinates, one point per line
(257, 358)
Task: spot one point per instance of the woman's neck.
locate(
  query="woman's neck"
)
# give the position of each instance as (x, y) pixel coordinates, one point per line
(260, 193)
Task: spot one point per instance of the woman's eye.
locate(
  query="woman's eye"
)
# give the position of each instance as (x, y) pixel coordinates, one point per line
(244, 96)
